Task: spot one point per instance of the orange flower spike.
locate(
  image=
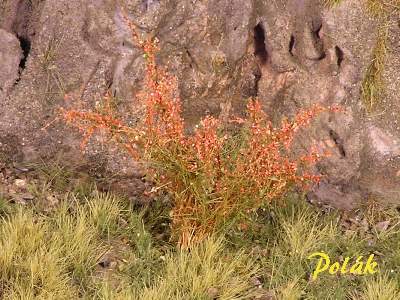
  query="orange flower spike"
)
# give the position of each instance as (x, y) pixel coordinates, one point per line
(262, 170)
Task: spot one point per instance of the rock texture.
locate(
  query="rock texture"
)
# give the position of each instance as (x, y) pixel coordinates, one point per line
(290, 54)
(10, 57)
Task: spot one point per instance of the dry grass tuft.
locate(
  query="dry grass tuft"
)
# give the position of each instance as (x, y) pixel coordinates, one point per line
(373, 86)
(205, 272)
(302, 233)
(55, 255)
(331, 3)
(379, 288)
(31, 262)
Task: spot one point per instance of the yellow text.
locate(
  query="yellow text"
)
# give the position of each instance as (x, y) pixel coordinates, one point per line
(358, 267)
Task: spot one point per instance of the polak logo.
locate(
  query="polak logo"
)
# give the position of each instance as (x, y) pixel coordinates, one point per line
(357, 267)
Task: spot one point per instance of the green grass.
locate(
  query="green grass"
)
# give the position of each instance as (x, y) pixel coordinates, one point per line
(379, 288)
(205, 270)
(282, 239)
(58, 253)
(373, 85)
(55, 85)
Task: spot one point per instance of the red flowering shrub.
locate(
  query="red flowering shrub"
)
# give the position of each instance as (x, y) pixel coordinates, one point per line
(213, 178)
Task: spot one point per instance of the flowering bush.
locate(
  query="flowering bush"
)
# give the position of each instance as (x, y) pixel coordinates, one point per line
(213, 177)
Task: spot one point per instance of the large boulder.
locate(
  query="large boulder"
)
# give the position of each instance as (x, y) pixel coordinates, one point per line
(290, 54)
(10, 58)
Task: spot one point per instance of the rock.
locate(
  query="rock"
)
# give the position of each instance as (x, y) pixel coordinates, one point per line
(105, 263)
(265, 295)
(10, 57)
(51, 201)
(18, 199)
(290, 54)
(28, 197)
(255, 282)
(20, 183)
(212, 293)
(22, 169)
(382, 226)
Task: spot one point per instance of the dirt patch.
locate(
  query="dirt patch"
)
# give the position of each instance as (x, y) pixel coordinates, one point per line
(10, 149)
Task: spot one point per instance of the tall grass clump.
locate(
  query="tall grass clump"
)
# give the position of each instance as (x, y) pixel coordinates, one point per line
(78, 239)
(55, 255)
(213, 179)
(373, 85)
(205, 272)
(31, 264)
(104, 213)
(379, 288)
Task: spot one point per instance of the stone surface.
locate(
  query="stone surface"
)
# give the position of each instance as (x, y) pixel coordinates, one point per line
(10, 57)
(291, 54)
